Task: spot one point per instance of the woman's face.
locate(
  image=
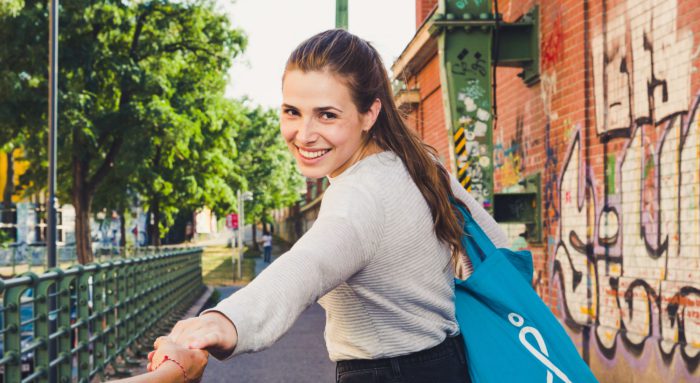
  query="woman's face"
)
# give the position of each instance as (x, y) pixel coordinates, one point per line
(322, 127)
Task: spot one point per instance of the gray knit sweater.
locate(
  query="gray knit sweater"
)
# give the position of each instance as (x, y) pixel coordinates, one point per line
(373, 262)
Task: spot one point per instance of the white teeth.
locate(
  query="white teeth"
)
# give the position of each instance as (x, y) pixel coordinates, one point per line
(312, 154)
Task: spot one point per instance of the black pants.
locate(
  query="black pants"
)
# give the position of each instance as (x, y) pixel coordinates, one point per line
(444, 363)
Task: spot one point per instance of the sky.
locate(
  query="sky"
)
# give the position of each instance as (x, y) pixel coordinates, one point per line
(275, 28)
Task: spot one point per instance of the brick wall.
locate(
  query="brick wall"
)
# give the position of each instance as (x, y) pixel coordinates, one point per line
(429, 117)
(423, 8)
(613, 128)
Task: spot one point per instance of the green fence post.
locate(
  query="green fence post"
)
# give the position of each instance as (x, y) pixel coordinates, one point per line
(130, 315)
(149, 298)
(119, 298)
(64, 346)
(98, 327)
(41, 327)
(110, 309)
(12, 343)
(143, 278)
(83, 320)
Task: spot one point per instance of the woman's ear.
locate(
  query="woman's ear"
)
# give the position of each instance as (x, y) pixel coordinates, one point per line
(371, 116)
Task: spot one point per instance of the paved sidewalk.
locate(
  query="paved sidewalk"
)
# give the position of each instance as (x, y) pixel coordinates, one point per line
(299, 356)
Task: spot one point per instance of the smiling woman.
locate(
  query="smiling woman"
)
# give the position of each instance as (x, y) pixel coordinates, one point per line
(321, 124)
(381, 256)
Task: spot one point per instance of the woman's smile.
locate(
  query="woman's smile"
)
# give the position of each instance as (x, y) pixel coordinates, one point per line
(311, 154)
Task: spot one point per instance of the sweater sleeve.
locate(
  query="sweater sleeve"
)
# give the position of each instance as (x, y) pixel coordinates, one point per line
(340, 243)
(483, 218)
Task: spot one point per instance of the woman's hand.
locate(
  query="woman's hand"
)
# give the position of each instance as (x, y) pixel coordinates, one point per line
(185, 364)
(212, 331)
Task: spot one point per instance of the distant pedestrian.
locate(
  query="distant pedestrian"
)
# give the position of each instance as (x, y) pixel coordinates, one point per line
(267, 245)
(382, 253)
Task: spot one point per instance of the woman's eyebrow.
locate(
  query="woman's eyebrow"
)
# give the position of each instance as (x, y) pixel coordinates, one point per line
(326, 108)
(318, 109)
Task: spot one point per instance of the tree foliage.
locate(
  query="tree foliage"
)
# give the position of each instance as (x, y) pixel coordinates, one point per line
(267, 165)
(10, 8)
(139, 83)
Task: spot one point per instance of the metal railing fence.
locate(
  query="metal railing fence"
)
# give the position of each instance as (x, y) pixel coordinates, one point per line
(106, 314)
(14, 256)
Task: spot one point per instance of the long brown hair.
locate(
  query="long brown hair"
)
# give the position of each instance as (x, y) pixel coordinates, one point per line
(359, 65)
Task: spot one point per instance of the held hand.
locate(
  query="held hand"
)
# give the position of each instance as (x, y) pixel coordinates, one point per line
(187, 364)
(212, 331)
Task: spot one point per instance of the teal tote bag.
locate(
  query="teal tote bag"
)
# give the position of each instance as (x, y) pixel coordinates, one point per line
(510, 335)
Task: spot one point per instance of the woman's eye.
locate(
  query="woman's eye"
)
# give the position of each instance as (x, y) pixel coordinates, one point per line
(328, 116)
(291, 112)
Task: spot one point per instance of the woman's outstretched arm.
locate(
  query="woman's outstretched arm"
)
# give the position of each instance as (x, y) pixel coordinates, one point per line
(340, 243)
(171, 363)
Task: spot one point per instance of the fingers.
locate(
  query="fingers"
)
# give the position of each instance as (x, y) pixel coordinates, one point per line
(159, 341)
(204, 340)
(194, 333)
(150, 361)
(183, 327)
(212, 332)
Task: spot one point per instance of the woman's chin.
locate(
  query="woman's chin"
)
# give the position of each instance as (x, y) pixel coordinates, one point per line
(313, 174)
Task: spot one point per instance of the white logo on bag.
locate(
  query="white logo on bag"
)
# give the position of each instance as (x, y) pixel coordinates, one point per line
(541, 354)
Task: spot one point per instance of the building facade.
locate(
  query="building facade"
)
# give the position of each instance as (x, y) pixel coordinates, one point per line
(605, 139)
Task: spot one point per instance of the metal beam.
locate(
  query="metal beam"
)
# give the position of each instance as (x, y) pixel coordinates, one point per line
(465, 40)
(341, 14)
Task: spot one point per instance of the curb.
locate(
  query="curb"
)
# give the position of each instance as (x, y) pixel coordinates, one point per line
(199, 304)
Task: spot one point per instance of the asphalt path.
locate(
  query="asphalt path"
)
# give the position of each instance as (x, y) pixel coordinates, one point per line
(299, 356)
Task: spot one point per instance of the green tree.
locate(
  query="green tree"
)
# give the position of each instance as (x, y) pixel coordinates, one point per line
(22, 102)
(10, 7)
(118, 64)
(267, 166)
(191, 162)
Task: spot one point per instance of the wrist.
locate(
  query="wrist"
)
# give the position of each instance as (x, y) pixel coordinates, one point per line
(227, 334)
(168, 371)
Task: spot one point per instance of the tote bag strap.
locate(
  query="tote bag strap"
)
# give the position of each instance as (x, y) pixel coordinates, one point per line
(476, 243)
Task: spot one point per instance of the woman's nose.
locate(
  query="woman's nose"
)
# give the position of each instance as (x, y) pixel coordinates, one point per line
(307, 131)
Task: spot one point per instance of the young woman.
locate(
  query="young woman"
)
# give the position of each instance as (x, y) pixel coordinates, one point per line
(382, 254)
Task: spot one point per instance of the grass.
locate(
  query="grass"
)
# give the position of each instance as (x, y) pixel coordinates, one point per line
(218, 267)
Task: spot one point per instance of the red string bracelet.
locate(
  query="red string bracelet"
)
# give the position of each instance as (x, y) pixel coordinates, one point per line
(166, 358)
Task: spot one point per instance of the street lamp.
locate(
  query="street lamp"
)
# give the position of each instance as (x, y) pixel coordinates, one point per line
(51, 208)
(242, 197)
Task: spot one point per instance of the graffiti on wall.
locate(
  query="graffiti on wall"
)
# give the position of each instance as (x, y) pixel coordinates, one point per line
(641, 66)
(509, 159)
(626, 251)
(631, 266)
(553, 42)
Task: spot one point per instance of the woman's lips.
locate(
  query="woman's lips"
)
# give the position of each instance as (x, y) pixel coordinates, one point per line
(312, 154)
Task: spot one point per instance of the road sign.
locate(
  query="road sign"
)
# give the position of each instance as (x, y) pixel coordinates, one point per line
(232, 221)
